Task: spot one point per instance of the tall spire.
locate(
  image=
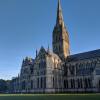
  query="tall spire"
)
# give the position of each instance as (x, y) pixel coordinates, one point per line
(60, 41)
(59, 14)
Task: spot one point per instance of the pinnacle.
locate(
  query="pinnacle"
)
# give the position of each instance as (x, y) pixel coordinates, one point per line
(59, 14)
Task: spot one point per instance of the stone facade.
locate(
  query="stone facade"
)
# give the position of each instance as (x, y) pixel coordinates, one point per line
(41, 75)
(82, 72)
(58, 71)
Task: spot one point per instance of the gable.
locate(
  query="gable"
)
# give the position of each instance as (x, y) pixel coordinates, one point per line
(42, 53)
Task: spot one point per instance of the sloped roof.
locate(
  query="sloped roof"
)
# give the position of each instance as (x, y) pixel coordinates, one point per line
(85, 55)
(42, 50)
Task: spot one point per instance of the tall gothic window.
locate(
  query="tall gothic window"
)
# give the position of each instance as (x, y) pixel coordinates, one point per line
(78, 81)
(99, 83)
(81, 83)
(64, 83)
(23, 85)
(89, 83)
(37, 82)
(31, 84)
(53, 83)
(41, 82)
(44, 82)
(86, 83)
(31, 69)
(73, 83)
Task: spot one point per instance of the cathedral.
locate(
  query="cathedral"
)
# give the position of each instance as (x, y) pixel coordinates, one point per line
(58, 71)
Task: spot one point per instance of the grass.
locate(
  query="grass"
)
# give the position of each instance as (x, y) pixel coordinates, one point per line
(49, 96)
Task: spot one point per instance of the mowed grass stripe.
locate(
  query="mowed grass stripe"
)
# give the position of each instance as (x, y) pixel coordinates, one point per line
(49, 96)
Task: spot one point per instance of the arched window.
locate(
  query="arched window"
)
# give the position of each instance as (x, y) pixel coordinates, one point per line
(59, 38)
(99, 84)
(85, 83)
(73, 83)
(37, 82)
(55, 38)
(89, 83)
(53, 83)
(81, 85)
(31, 84)
(64, 83)
(23, 85)
(78, 82)
(44, 82)
(41, 82)
(31, 69)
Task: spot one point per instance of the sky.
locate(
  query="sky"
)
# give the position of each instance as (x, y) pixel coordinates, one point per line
(26, 25)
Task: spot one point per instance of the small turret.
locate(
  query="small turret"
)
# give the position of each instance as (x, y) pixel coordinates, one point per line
(36, 53)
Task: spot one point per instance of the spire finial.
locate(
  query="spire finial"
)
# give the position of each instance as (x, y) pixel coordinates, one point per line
(59, 5)
(59, 14)
(48, 49)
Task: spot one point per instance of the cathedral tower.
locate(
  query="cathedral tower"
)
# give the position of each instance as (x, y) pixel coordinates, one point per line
(60, 36)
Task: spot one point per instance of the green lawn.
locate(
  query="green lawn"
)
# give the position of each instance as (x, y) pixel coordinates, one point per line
(50, 97)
